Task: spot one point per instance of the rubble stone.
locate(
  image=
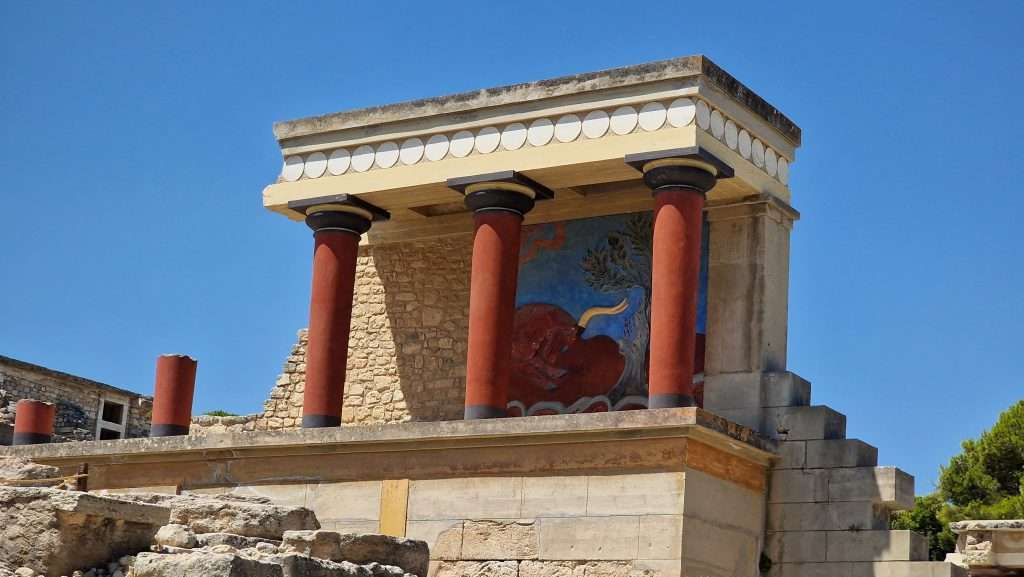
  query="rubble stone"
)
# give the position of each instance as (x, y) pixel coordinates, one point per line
(16, 469)
(236, 541)
(202, 564)
(174, 535)
(360, 548)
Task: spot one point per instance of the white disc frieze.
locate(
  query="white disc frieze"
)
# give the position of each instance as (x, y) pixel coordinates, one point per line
(743, 142)
(339, 161)
(771, 162)
(387, 155)
(436, 148)
(623, 120)
(541, 132)
(595, 124)
(487, 140)
(783, 170)
(568, 128)
(703, 114)
(411, 151)
(681, 112)
(757, 153)
(462, 144)
(316, 165)
(652, 116)
(717, 124)
(362, 158)
(292, 169)
(731, 134)
(513, 137)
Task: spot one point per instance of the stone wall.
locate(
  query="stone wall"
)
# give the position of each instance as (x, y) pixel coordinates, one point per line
(77, 400)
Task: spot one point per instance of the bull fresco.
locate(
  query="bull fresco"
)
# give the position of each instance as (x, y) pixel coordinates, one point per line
(582, 323)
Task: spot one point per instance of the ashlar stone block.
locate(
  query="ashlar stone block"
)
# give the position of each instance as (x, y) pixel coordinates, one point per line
(799, 486)
(804, 423)
(836, 453)
(907, 569)
(487, 540)
(887, 486)
(876, 546)
(589, 538)
(854, 515)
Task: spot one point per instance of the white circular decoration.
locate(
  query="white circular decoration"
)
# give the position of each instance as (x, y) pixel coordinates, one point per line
(757, 153)
(513, 137)
(652, 116)
(292, 169)
(703, 115)
(731, 134)
(462, 144)
(568, 128)
(541, 132)
(744, 143)
(338, 162)
(387, 154)
(623, 120)
(411, 151)
(316, 165)
(436, 148)
(487, 140)
(681, 112)
(771, 162)
(362, 158)
(783, 170)
(717, 124)
(595, 124)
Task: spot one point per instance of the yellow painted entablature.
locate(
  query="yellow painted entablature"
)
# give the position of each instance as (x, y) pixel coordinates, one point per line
(569, 134)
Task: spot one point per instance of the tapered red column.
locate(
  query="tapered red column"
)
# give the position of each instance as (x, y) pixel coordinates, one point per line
(172, 395)
(679, 185)
(33, 422)
(337, 223)
(498, 209)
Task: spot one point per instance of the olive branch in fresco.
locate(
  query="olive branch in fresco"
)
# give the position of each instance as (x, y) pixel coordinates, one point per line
(621, 263)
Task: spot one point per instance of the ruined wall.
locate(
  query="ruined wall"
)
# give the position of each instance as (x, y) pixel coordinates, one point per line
(77, 400)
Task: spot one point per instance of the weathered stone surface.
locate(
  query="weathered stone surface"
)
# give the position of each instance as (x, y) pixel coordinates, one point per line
(499, 540)
(230, 539)
(18, 469)
(203, 564)
(56, 532)
(477, 569)
(174, 535)
(410, 555)
(296, 565)
(211, 514)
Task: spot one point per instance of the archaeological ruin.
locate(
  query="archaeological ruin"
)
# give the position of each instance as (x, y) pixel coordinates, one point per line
(547, 337)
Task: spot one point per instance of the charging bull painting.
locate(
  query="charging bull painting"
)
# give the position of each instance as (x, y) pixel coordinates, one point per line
(582, 323)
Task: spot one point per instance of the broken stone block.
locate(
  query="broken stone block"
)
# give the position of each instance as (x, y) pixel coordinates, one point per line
(477, 569)
(296, 565)
(212, 514)
(499, 540)
(55, 532)
(17, 469)
(359, 548)
(174, 535)
(236, 541)
(202, 564)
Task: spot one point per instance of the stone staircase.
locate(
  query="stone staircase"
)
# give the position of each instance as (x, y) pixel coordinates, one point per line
(829, 501)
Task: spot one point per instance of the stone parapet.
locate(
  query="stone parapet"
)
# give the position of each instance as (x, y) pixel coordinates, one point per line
(989, 547)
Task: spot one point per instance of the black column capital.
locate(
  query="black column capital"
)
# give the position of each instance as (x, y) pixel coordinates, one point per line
(339, 212)
(508, 191)
(691, 168)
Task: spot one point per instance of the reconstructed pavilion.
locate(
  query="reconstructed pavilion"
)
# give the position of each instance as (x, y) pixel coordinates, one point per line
(577, 290)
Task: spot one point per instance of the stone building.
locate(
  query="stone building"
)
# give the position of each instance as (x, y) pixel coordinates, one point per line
(85, 409)
(604, 255)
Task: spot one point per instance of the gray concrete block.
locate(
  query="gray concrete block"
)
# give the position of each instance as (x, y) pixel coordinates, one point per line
(750, 418)
(792, 455)
(907, 569)
(797, 546)
(725, 504)
(635, 494)
(753, 390)
(811, 570)
(886, 486)
(785, 390)
(876, 546)
(589, 538)
(710, 549)
(858, 515)
(804, 423)
(832, 453)
(798, 486)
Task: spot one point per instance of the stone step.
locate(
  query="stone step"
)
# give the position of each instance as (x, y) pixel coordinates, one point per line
(803, 423)
(885, 486)
(826, 454)
(854, 515)
(873, 569)
(732, 391)
(845, 546)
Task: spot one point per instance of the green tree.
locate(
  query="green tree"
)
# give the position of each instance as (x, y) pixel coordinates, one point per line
(984, 481)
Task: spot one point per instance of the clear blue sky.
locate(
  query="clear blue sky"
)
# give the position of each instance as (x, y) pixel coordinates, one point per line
(137, 139)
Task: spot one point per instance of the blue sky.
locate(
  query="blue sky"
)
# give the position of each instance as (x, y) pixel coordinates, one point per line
(137, 138)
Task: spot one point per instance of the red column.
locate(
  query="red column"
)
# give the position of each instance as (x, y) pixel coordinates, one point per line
(33, 422)
(330, 317)
(492, 300)
(172, 395)
(674, 285)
